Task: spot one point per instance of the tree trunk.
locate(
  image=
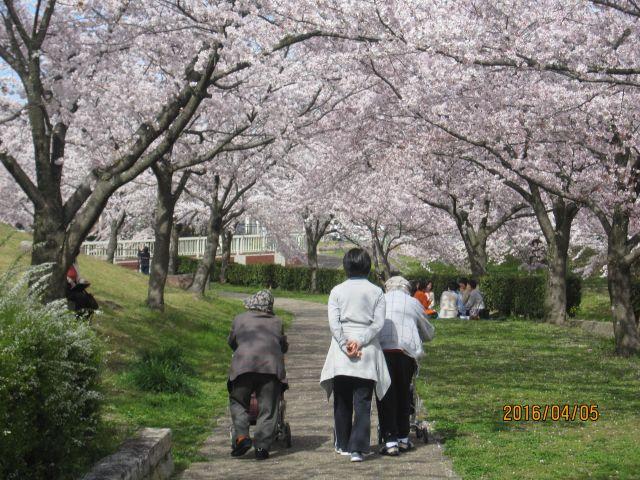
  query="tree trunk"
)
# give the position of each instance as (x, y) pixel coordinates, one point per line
(619, 276)
(555, 302)
(206, 266)
(312, 262)
(383, 267)
(116, 225)
(173, 249)
(386, 266)
(557, 235)
(227, 239)
(478, 262)
(48, 243)
(476, 246)
(162, 233)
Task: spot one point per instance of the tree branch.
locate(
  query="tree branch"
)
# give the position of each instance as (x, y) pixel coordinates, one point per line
(22, 179)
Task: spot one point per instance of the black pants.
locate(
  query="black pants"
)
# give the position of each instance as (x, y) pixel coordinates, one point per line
(394, 409)
(352, 413)
(82, 302)
(268, 390)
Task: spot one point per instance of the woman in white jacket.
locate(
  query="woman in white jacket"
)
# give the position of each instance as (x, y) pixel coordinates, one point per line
(405, 328)
(355, 364)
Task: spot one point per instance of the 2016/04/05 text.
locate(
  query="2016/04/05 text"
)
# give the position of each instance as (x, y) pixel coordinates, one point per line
(541, 413)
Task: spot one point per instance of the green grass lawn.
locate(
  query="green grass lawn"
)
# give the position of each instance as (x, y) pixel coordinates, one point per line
(472, 369)
(126, 327)
(595, 304)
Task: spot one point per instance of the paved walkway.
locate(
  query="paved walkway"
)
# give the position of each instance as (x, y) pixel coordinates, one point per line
(310, 416)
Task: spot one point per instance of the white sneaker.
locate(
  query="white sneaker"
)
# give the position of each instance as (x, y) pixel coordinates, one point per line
(357, 457)
(339, 451)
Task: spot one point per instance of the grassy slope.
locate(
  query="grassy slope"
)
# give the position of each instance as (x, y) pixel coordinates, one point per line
(474, 368)
(126, 326)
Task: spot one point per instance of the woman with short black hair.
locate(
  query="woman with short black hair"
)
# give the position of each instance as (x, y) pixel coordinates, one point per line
(355, 364)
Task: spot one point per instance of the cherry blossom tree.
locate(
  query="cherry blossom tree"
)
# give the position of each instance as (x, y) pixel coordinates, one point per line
(579, 62)
(222, 191)
(111, 86)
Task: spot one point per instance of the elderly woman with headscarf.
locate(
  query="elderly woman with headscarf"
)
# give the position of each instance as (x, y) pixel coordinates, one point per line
(405, 328)
(259, 344)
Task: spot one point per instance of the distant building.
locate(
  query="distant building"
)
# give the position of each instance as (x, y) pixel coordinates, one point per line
(250, 227)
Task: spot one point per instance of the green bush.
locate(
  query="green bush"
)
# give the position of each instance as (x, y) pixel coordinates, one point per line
(49, 372)
(187, 265)
(163, 371)
(275, 276)
(510, 293)
(574, 294)
(521, 294)
(498, 293)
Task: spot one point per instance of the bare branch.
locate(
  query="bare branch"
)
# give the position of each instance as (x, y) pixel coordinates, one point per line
(22, 179)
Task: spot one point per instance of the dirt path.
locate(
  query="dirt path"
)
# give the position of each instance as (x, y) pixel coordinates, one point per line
(310, 416)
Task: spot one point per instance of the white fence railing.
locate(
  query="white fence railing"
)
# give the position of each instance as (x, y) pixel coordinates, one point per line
(190, 246)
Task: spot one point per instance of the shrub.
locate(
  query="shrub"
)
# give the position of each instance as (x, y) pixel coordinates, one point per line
(510, 293)
(506, 291)
(49, 371)
(187, 265)
(574, 294)
(522, 294)
(163, 371)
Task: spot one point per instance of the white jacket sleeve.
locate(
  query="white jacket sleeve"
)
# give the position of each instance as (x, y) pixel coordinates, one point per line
(379, 311)
(334, 322)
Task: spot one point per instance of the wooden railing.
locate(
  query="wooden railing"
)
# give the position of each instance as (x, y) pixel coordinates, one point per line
(189, 246)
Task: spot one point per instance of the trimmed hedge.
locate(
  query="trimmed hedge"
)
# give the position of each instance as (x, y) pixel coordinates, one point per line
(286, 278)
(511, 293)
(274, 276)
(508, 293)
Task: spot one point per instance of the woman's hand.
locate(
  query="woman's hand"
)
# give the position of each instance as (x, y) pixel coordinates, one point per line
(354, 349)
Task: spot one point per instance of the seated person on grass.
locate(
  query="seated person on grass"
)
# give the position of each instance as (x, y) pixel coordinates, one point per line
(449, 302)
(475, 303)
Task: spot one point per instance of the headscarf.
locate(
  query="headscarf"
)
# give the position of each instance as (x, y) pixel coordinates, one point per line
(262, 301)
(398, 283)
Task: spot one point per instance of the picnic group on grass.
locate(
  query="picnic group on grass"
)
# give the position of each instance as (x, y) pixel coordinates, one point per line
(376, 340)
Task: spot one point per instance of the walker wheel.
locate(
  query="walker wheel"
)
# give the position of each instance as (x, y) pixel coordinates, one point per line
(425, 432)
(287, 435)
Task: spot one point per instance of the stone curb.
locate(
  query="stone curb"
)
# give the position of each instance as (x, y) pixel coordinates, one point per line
(147, 456)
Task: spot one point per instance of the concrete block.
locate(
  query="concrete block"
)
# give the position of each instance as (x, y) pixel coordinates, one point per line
(147, 456)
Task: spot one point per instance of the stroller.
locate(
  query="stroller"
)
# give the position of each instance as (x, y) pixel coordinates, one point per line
(418, 417)
(283, 430)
